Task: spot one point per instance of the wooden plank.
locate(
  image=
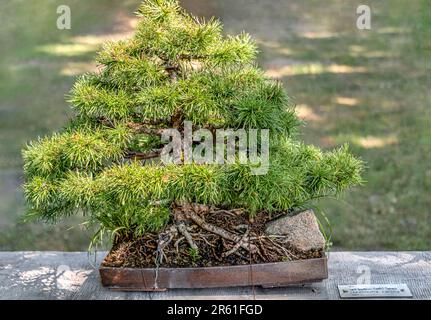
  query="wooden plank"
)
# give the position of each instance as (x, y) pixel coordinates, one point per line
(412, 268)
(60, 275)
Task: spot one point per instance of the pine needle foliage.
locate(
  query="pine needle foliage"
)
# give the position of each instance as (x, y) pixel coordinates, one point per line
(176, 67)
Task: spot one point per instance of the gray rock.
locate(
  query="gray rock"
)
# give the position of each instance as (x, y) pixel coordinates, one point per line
(302, 231)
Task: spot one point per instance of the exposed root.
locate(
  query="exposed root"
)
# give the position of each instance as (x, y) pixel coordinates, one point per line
(144, 155)
(177, 243)
(164, 240)
(222, 237)
(183, 230)
(221, 232)
(231, 213)
(238, 245)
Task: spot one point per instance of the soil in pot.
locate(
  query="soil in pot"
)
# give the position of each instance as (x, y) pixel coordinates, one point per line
(202, 236)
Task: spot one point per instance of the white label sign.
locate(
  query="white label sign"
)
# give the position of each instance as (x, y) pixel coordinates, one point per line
(375, 291)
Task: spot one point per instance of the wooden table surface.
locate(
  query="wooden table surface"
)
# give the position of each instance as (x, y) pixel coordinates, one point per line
(73, 275)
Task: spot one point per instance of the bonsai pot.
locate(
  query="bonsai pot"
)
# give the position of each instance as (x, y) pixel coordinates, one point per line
(302, 237)
(277, 274)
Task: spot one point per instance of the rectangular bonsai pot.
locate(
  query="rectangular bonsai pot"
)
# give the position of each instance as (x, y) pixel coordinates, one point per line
(265, 275)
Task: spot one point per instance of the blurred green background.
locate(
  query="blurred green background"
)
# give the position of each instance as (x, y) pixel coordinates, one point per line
(370, 88)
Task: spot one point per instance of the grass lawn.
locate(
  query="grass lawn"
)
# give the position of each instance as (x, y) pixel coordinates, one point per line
(368, 88)
(38, 66)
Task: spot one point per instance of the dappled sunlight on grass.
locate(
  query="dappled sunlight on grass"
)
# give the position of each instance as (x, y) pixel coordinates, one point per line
(275, 45)
(78, 68)
(371, 142)
(359, 51)
(327, 142)
(84, 44)
(346, 101)
(306, 113)
(321, 34)
(66, 49)
(97, 40)
(376, 142)
(313, 69)
(91, 40)
(80, 45)
(393, 30)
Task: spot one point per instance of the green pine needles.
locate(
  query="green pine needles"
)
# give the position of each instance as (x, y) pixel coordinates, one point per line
(175, 68)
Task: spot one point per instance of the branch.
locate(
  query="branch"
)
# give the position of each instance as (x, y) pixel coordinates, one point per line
(192, 56)
(106, 122)
(144, 155)
(154, 122)
(172, 70)
(142, 128)
(177, 119)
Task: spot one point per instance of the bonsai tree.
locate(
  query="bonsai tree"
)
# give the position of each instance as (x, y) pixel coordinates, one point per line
(179, 72)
